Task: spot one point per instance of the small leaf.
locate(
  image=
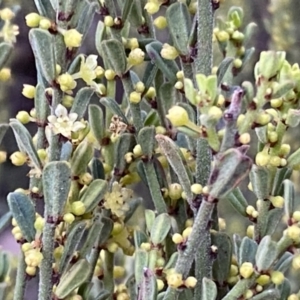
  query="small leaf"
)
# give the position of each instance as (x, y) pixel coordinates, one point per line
(56, 185)
(141, 261)
(179, 23)
(97, 169)
(146, 140)
(168, 67)
(96, 120)
(283, 290)
(41, 105)
(3, 129)
(114, 53)
(133, 206)
(66, 151)
(281, 175)
(289, 198)
(274, 217)
(224, 68)
(148, 288)
(268, 294)
(5, 52)
(149, 75)
(139, 238)
(81, 157)
(149, 218)
(112, 104)
(81, 101)
(4, 221)
(160, 228)
(73, 278)
(24, 141)
(100, 36)
(259, 177)
(284, 263)
(247, 251)
(209, 289)
(266, 254)
(45, 8)
(23, 211)
(94, 194)
(282, 89)
(42, 45)
(74, 237)
(238, 201)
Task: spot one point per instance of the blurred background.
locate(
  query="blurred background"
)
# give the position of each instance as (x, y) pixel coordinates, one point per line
(278, 28)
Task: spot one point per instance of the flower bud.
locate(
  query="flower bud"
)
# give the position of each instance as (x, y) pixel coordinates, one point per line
(160, 285)
(277, 201)
(28, 91)
(151, 93)
(31, 271)
(23, 116)
(160, 22)
(151, 8)
(6, 14)
(72, 38)
(262, 159)
(78, 208)
(169, 52)
(136, 57)
(32, 20)
(135, 97)
(246, 269)
(69, 218)
(174, 280)
(109, 21)
(222, 36)
(18, 158)
(5, 74)
(296, 215)
(293, 232)
(175, 191)
(186, 232)
(190, 282)
(277, 277)
(178, 116)
(118, 272)
(45, 23)
(3, 156)
(196, 188)
(293, 297)
(67, 101)
(140, 87)
(296, 262)
(110, 74)
(177, 238)
(137, 150)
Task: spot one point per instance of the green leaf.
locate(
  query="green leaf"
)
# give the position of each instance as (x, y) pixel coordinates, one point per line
(160, 228)
(56, 185)
(100, 36)
(24, 213)
(259, 177)
(112, 105)
(42, 45)
(282, 89)
(149, 75)
(221, 265)
(74, 237)
(141, 261)
(283, 290)
(133, 206)
(149, 218)
(238, 201)
(3, 129)
(81, 101)
(73, 278)
(148, 288)
(281, 175)
(94, 194)
(5, 51)
(4, 267)
(179, 24)
(24, 141)
(209, 289)
(230, 169)
(274, 217)
(4, 220)
(284, 263)
(114, 53)
(146, 140)
(96, 120)
(289, 198)
(139, 238)
(45, 8)
(266, 254)
(41, 105)
(81, 157)
(135, 16)
(247, 251)
(97, 169)
(223, 68)
(268, 294)
(168, 67)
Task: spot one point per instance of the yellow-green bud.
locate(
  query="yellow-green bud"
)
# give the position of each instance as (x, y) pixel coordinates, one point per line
(277, 201)
(112, 247)
(31, 271)
(248, 294)
(39, 224)
(72, 38)
(237, 35)
(6, 14)
(293, 297)
(276, 103)
(262, 159)
(222, 36)
(245, 138)
(136, 57)
(140, 87)
(186, 232)
(5, 74)
(18, 158)
(222, 223)
(67, 101)
(237, 63)
(246, 269)
(118, 272)
(3, 156)
(178, 116)
(190, 282)
(69, 218)
(169, 52)
(249, 210)
(28, 91)
(151, 92)
(177, 238)
(26, 247)
(160, 22)
(133, 43)
(32, 20)
(272, 136)
(263, 119)
(232, 280)
(296, 215)
(160, 284)
(175, 191)
(277, 277)
(78, 208)
(110, 74)
(152, 8)
(146, 246)
(137, 150)
(108, 21)
(284, 150)
(296, 262)
(23, 116)
(135, 97)
(196, 188)
(85, 178)
(179, 85)
(293, 232)
(174, 280)
(275, 161)
(233, 270)
(66, 82)
(45, 23)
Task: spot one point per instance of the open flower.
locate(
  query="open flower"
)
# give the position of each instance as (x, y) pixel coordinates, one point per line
(64, 123)
(117, 200)
(87, 69)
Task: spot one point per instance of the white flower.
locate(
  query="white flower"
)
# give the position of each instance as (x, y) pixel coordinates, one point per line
(64, 123)
(87, 69)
